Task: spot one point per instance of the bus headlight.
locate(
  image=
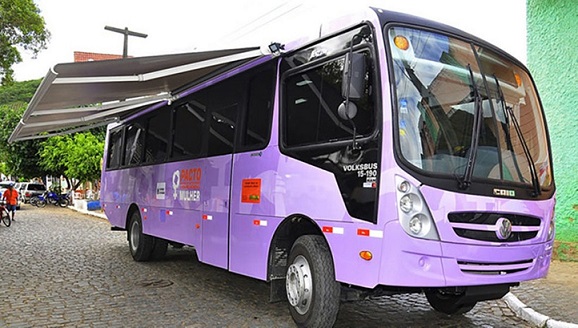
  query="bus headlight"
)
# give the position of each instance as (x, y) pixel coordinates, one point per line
(415, 225)
(406, 204)
(413, 213)
(404, 186)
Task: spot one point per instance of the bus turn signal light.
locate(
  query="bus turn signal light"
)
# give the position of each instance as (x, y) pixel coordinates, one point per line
(518, 79)
(366, 255)
(401, 42)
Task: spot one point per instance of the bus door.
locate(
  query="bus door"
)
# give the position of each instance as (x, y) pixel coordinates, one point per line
(216, 185)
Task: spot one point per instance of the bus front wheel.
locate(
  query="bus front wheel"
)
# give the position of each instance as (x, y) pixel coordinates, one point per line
(141, 245)
(312, 291)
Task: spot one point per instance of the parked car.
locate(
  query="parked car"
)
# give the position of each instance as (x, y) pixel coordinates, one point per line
(31, 189)
(4, 186)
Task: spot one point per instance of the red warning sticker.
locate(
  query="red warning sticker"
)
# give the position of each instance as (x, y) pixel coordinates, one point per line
(251, 191)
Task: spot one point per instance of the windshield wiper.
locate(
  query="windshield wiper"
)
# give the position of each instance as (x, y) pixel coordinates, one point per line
(465, 181)
(510, 113)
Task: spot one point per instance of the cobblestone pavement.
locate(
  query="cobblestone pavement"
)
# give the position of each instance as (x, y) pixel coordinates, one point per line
(61, 268)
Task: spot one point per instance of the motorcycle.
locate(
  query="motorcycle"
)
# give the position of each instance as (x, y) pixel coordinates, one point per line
(57, 199)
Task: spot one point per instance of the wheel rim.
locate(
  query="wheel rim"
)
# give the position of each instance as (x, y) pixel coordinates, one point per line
(134, 236)
(299, 284)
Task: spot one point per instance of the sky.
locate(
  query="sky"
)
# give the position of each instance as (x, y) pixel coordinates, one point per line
(178, 26)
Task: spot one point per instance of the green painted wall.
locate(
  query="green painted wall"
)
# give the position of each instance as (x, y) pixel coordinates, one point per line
(553, 62)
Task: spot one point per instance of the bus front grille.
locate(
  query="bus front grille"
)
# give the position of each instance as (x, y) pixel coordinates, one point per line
(494, 227)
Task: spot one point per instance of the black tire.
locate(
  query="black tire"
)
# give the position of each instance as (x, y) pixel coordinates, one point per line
(447, 303)
(33, 201)
(159, 248)
(41, 203)
(312, 291)
(63, 202)
(140, 245)
(5, 217)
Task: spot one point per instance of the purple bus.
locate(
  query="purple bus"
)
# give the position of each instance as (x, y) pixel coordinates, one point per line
(389, 155)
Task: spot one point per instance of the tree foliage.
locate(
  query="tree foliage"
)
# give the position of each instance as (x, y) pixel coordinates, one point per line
(21, 25)
(78, 156)
(18, 91)
(19, 158)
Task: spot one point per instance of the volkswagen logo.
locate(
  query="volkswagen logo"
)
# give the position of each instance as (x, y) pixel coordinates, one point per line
(503, 228)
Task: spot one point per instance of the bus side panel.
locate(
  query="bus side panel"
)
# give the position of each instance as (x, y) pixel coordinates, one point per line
(250, 240)
(287, 187)
(347, 241)
(178, 215)
(110, 198)
(267, 188)
(215, 191)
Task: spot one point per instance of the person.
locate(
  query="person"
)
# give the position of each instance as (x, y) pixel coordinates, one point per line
(10, 197)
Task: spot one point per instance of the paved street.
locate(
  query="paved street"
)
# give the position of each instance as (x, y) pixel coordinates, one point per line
(61, 268)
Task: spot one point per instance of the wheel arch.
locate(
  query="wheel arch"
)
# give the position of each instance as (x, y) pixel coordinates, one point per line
(131, 209)
(292, 227)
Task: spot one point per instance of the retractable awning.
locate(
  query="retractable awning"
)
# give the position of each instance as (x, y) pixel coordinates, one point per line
(79, 96)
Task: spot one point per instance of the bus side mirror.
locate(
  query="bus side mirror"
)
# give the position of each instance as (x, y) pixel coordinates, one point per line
(353, 76)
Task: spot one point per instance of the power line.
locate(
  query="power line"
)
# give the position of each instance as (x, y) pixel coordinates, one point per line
(251, 27)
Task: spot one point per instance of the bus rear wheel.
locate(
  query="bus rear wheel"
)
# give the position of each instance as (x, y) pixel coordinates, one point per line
(447, 303)
(312, 291)
(141, 245)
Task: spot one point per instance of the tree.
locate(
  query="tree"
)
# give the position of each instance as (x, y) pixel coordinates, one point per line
(19, 158)
(20, 26)
(18, 91)
(85, 155)
(77, 157)
(53, 155)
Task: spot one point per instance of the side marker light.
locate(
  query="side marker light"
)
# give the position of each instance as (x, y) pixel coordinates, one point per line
(366, 255)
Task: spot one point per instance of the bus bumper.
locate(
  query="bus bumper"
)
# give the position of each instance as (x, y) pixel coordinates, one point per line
(412, 262)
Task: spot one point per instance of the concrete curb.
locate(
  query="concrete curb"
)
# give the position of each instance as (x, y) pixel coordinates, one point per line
(92, 213)
(533, 317)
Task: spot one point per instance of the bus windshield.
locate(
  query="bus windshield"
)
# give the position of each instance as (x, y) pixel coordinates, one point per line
(466, 111)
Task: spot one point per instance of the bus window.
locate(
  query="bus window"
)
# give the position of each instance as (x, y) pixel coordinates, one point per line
(311, 103)
(188, 130)
(157, 135)
(259, 110)
(114, 149)
(222, 130)
(133, 145)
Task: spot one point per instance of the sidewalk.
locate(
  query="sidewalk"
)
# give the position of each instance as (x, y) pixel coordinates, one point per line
(549, 302)
(98, 213)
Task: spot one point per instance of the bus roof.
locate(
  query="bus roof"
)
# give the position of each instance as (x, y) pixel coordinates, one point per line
(78, 96)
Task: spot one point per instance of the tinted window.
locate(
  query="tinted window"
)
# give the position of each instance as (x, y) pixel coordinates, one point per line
(188, 130)
(259, 110)
(222, 130)
(36, 187)
(222, 102)
(133, 144)
(312, 99)
(156, 140)
(114, 149)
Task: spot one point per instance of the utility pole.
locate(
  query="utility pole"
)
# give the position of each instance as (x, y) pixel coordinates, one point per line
(126, 33)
